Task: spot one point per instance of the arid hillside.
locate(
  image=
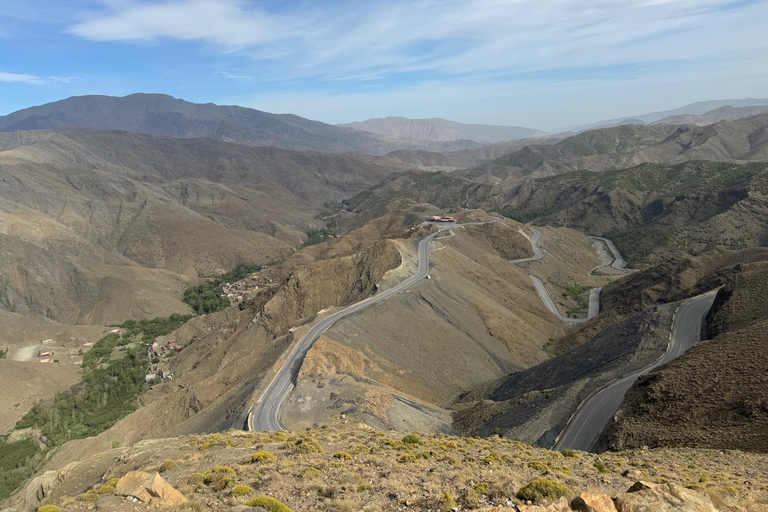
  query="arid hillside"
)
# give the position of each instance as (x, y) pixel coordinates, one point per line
(652, 212)
(394, 365)
(442, 130)
(354, 467)
(625, 146)
(99, 227)
(655, 211)
(631, 332)
(716, 395)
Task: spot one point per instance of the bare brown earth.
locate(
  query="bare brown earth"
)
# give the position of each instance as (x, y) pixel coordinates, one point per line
(474, 472)
(227, 356)
(625, 146)
(100, 227)
(631, 332)
(23, 379)
(25, 382)
(401, 363)
(716, 395)
(566, 268)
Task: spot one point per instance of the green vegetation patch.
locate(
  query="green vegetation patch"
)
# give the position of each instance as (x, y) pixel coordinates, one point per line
(269, 503)
(109, 388)
(316, 236)
(18, 462)
(542, 490)
(206, 297)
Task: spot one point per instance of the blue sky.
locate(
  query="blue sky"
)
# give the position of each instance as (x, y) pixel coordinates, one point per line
(538, 63)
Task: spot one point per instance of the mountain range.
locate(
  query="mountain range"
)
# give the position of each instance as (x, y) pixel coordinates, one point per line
(696, 109)
(443, 130)
(166, 116)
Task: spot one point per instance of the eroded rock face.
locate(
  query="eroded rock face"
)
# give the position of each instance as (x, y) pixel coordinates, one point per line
(150, 488)
(663, 498)
(41, 486)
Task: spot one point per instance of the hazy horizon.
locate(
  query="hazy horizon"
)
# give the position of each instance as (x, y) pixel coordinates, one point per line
(544, 65)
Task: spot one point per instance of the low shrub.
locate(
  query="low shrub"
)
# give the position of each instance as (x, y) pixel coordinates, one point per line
(539, 466)
(268, 503)
(407, 458)
(49, 508)
(88, 496)
(482, 489)
(342, 456)
(241, 490)
(196, 479)
(447, 503)
(262, 457)
(306, 446)
(309, 473)
(224, 483)
(166, 466)
(105, 489)
(411, 439)
(567, 452)
(601, 467)
(541, 490)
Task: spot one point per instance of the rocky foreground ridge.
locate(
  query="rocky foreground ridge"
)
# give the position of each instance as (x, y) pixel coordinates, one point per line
(350, 468)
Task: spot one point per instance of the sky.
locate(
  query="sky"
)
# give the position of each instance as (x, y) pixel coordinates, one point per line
(544, 64)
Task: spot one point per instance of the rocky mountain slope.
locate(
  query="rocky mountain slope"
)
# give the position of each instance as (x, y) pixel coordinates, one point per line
(697, 109)
(630, 145)
(166, 116)
(726, 113)
(715, 396)
(393, 366)
(357, 468)
(103, 226)
(653, 211)
(442, 130)
(631, 332)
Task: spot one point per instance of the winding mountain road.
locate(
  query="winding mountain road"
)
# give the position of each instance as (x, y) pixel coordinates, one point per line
(265, 414)
(537, 253)
(593, 415)
(592, 310)
(594, 295)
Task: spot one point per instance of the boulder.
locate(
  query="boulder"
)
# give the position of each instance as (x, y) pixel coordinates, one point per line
(560, 505)
(589, 502)
(664, 498)
(641, 486)
(41, 486)
(150, 488)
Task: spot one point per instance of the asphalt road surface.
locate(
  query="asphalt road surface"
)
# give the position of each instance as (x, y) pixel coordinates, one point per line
(593, 416)
(265, 414)
(619, 263)
(594, 295)
(592, 311)
(537, 253)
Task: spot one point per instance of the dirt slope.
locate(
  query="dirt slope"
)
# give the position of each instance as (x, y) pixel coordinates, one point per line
(474, 472)
(716, 395)
(401, 363)
(24, 383)
(629, 145)
(99, 227)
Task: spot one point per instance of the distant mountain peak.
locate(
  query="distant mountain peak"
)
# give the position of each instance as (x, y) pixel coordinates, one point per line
(166, 116)
(437, 129)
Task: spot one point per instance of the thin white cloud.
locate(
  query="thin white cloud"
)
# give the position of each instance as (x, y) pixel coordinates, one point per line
(21, 78)
(65, 79)
(377, 38)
